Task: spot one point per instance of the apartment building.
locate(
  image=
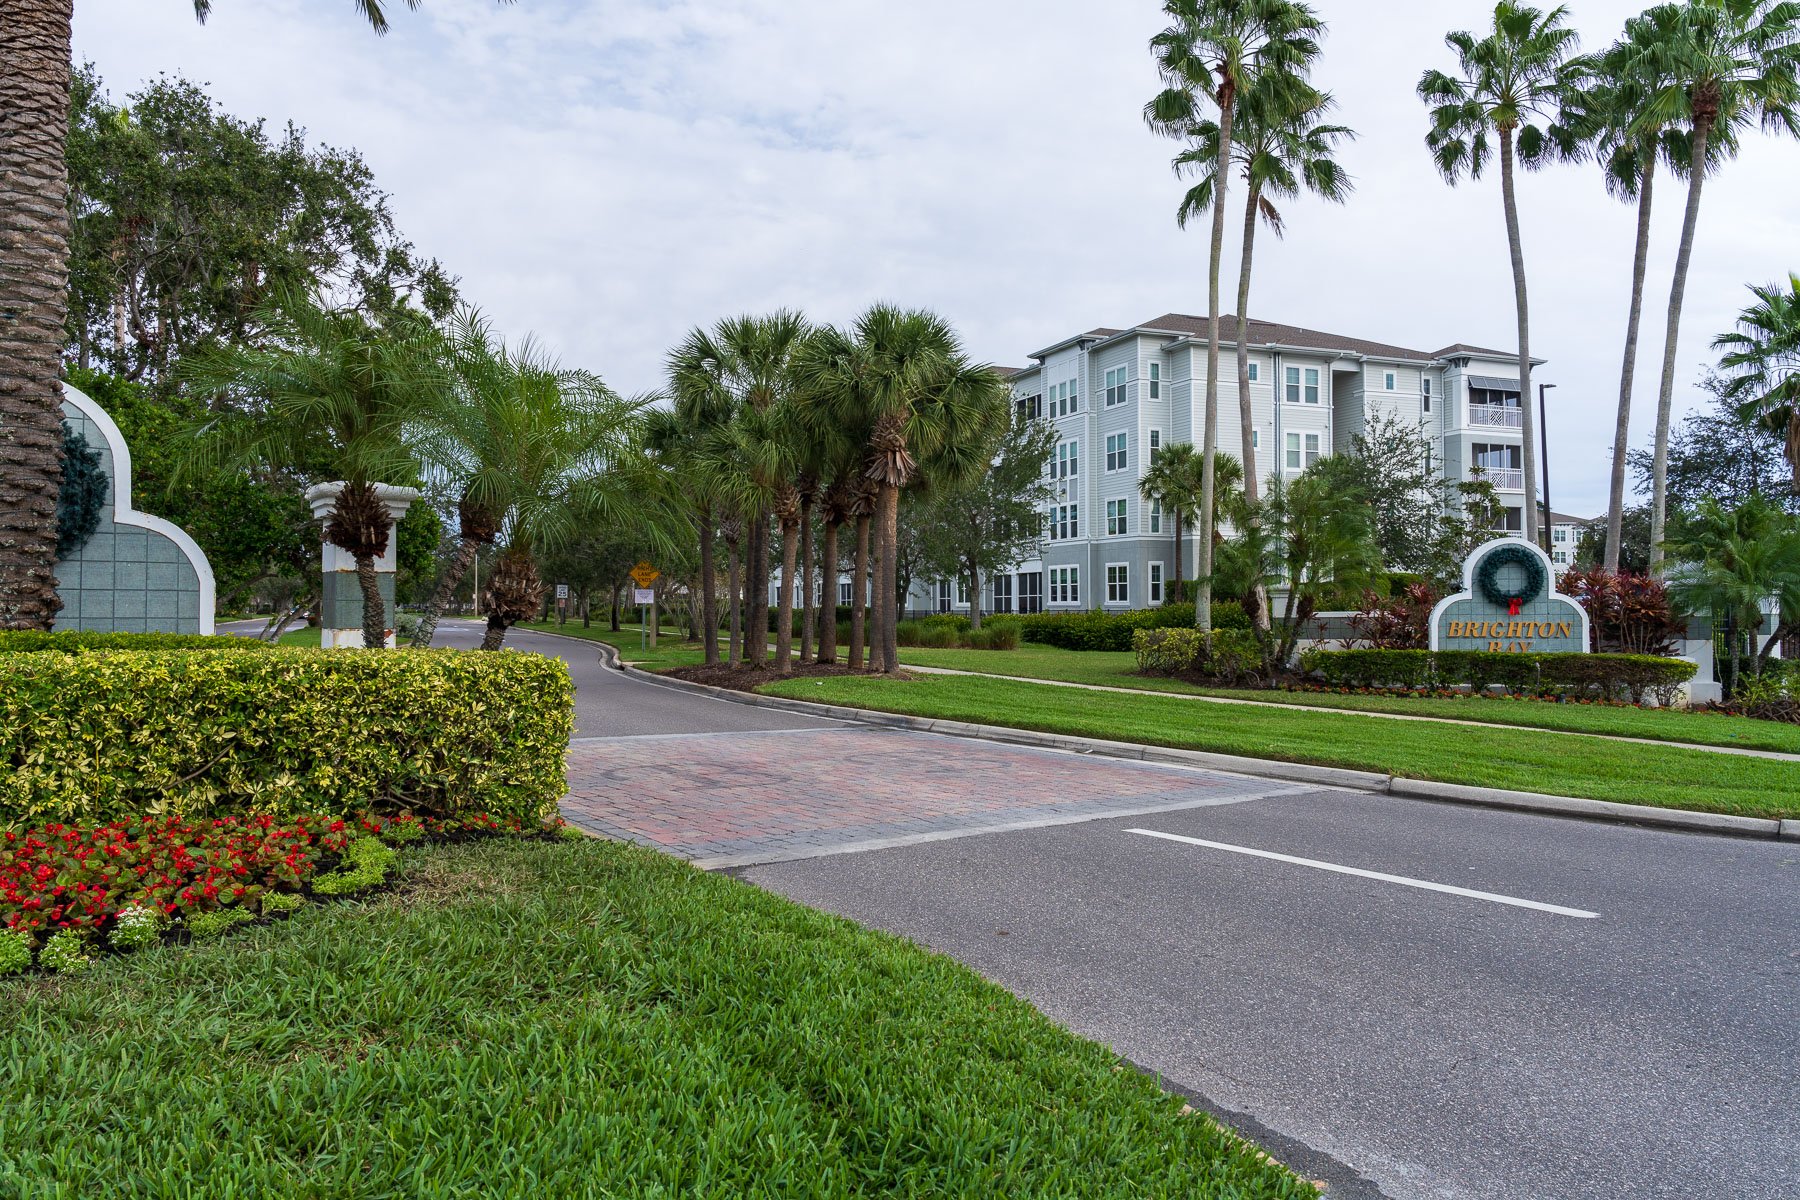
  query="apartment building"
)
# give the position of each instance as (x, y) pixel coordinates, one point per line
(1115, 396)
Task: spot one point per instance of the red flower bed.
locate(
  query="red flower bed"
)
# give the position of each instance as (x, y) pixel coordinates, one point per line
(79, 877)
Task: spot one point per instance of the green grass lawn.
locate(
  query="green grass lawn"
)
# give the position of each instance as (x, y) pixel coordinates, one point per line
(672, 648)
(299, 637)
(1116, 669)
(1668, 776)
(575, 1019)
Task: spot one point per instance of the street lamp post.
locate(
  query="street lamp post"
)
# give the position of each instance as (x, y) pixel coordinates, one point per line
(1544, 457)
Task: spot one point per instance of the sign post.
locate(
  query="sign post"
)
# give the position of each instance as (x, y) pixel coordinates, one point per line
(645, 575)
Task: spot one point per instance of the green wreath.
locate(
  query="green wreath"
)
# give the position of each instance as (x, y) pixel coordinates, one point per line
(1487, 577)
(83, 495)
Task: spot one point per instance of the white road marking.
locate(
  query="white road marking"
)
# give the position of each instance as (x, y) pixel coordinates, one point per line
(1385, 878)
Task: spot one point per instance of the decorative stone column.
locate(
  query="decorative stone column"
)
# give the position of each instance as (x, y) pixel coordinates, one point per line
(340, 600)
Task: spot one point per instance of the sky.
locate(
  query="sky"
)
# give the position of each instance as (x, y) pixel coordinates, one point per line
(607, 174)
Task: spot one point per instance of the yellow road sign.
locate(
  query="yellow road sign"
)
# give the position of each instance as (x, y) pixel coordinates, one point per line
(644, 574)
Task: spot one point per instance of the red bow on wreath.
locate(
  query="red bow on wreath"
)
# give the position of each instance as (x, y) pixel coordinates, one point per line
(1514, 605)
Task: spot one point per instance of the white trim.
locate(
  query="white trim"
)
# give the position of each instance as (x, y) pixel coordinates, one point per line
(124, 514)
(1106, 600)
(1156, 577)
(1468, 592)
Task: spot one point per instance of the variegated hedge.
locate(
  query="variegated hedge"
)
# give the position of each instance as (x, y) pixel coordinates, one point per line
(202, 732)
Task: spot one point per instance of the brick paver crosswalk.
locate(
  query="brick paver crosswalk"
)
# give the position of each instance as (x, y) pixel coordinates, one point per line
(733, 799)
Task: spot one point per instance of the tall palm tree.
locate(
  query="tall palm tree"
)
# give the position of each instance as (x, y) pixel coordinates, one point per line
(329, 392)
(687, 436)
(1215, 51)
(1763, 358)
(1607, 115)
(1173, 480)
(510, 439)
(1511, 84)
(35, 53)
(1724, 65)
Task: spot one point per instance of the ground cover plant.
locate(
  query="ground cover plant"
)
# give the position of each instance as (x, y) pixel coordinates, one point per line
(1113, 669)
(192, 733)
(1521, 759)
(577, 1019)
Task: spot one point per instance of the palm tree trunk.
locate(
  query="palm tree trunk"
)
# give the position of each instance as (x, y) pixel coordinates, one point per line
(1175, 516)
(709, 602)
(34, 284)
(1203, 567)
(1665, 396)
(859, 595)
(888, 602)
(1246, 419)
(734, 599)
(784, 617)
(454, 570)
(1522, 309)
(756, 591)
(1615, 506)
(828, 602)
(374, 608)
(806, 584)
(496, 632)
(974, 596)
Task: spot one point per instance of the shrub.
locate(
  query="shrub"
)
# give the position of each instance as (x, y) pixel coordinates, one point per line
(954, 621)
(1166, 651)
(136, 927)
(1114, 630)
(1367, 668)
(994, 634)
(90, 737)
(1624, 677)
(15, 952)
(209, 926)
(1399, 622)
(1772, 696)
(1628, 614)
(1236, 656)
(366, 862)
(65, 953)
(26, 641)
(278, 903)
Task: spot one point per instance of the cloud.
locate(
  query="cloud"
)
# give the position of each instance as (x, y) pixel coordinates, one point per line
(609, 173)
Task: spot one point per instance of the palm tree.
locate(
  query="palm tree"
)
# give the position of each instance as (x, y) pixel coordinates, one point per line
(1173, 480)
(1723, 64)
(511, 439)
(1607, 114)
(331, 392)
(1215, 51)
(1512, 79)
(1731, 562)
(35, 55)
(1763, 356)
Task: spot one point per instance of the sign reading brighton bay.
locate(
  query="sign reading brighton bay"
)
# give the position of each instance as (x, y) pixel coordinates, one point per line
(1509, 603)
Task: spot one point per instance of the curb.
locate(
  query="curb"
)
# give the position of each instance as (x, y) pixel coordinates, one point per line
(1685, 820)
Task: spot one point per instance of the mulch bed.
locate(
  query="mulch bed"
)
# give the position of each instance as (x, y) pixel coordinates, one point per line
(748, 679)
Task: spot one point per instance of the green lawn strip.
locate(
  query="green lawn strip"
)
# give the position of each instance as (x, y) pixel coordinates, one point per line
(576, 1019)
(299, 637)
(1116, 669)
(671, 649)
(1667, 776)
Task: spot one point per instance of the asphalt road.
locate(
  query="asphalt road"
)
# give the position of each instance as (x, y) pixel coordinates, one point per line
(1439, 1045)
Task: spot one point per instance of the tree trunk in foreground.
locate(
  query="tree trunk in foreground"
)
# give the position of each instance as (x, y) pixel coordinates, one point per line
(886, 613)
(784, 613)
(1665, 396)
(805, 582)
(1522, 309)
(34, 283)
(1246, 420)
(756, 589)
(374, 609)
(859, 596)
(454, 570)
(1209, 462)
(1615, 505)
(828, 602)
(735, 613)
(709, 602)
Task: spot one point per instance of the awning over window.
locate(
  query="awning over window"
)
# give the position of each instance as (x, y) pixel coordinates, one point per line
(1493, 383)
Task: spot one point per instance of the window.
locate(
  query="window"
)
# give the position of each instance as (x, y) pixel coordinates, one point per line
(1065, 585)
(1559, 534)
(1118, 583)
(1156, 516)
(1256, 439)
(1255, 372)
(1156, 381)
(1388, 382)
(1513, 520)
(1293, 452)
(1425, 392)
(943, 596)
(1560, 558)
(1293, 385)
(1115, 452)
(1003, 593)
(1064, 522)
(1312, 385)
(1030, 406)
(1155, 443)
(1118, 517)
(1031, 591)
(1312, 449)
(846, 593)
(1065, 401)
(1115, 386)
(1156, 583)
(962, 593)
(1068, 460)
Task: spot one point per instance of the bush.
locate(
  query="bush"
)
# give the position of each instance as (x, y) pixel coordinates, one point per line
(1165, 651)
(65, 953)
(25, 641)
(1628, 614)
(1114, 630)
(92, 737)
(1236, 656)
(366, 863)
(996, 633)
(15, 952)
(1772, 696)
(1620, 677)
(936, 633)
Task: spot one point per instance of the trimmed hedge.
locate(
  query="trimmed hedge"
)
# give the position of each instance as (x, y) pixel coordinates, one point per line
(996, 633)
(439, 733)
(26, 641)
(1176, 651)
(1114, 630)
(1632, 677)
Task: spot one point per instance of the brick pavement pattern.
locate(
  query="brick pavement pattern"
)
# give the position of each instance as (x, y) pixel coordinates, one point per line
(734, 799)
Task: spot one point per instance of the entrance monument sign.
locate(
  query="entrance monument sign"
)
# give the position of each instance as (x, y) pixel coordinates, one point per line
(1509, 604)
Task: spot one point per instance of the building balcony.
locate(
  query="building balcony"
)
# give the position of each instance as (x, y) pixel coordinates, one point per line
(1505, 479)
(1495, 416)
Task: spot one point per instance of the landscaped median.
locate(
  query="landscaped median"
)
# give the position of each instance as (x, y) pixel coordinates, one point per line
(1495, 756)
(572, 1019)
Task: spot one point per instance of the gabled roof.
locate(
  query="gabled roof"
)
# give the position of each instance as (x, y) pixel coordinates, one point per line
(1009, 372)
(1476, 352)
(1272, 333)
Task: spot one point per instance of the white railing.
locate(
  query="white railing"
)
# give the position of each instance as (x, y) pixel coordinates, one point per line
(1506, 479)
(1495, 414)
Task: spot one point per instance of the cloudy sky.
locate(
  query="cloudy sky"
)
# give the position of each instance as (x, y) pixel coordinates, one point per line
(608, 173)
